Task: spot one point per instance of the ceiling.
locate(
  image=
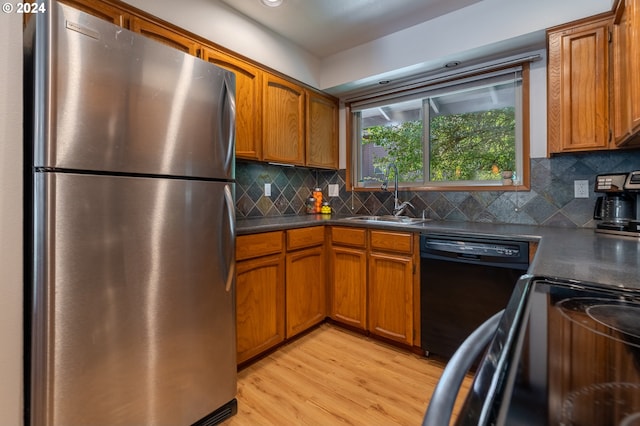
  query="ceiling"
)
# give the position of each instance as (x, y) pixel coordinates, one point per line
(326, 27)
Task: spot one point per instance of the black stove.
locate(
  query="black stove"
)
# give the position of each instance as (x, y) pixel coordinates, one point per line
(565, 353)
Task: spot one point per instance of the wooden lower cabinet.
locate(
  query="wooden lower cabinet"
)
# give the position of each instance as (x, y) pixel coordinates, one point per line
(348, 277)
(305, 286)
(373, 282)
(391, 296)
(260, 297)
(260, 310)
(283, 279)
(305, 290)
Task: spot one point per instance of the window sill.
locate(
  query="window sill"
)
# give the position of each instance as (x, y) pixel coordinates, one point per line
(445, 188)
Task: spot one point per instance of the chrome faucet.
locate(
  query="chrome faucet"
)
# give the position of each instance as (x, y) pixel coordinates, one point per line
(398, 207)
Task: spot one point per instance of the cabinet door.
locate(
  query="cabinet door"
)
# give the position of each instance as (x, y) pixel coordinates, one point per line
(621, 113)
(101, 10)
(165, 36)
(259, 305)
(305, 290)
(283, 121)
(391, 296)
(578, 87)
(248, 103)
(348, 286)
(322, 131)
(633, 10)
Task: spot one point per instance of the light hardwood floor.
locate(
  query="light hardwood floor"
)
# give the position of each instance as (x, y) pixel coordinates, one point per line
(331, 376)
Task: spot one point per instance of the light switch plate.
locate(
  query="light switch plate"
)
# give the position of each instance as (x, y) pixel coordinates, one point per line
(581, 188)
(333, 190)
(267, 190)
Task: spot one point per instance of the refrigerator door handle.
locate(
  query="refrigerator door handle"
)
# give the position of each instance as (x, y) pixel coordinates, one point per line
(232, 214)
(228, 118)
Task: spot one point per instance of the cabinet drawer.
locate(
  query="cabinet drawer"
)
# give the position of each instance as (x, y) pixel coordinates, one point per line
(401, 242)
(254, 245)
(305, 237)
(349, 236)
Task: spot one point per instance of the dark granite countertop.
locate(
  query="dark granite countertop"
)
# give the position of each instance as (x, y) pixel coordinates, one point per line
(568, 253)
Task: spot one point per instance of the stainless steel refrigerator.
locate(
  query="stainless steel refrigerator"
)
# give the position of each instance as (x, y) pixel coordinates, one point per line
(131, 293)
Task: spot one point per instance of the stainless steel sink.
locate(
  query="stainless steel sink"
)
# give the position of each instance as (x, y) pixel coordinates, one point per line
(388, 220)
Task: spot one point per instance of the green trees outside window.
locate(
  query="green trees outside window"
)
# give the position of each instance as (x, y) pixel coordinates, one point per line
(460, 135)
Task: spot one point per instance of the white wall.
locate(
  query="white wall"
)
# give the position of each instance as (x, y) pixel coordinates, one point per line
(482, 24)
(538, 106)
(11, 282)
(485, 23)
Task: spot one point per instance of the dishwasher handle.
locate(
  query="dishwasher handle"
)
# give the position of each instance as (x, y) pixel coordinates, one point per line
(444, 396)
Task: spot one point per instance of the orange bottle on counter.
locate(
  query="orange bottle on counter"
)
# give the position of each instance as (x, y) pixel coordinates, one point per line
(317, 194)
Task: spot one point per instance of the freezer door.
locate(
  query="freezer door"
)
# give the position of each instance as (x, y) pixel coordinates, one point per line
(133, 300)
(107, 99)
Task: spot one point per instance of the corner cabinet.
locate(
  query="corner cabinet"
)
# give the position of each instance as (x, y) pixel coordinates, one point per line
(305, 279)
(283, 121)
(260, 293)
(321, 131)
(248, 103)
(578, 85)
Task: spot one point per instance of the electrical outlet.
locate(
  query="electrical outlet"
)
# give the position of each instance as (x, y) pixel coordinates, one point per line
(581, 188)
(267, 190)
(333, 190)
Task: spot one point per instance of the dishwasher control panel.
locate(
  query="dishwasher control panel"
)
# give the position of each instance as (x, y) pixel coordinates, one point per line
(476, 250)
(467, 247)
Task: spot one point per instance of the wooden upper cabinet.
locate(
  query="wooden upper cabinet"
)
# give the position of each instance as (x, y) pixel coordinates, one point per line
(248, 103)
(578, 85)
(101, 10)
(165, 36)
(621, 113)
(322, 131)
(633, 53)
(626, 82)
(283, 121)
(626, 69)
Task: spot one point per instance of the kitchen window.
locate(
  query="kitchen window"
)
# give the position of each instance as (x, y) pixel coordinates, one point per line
(456, 135)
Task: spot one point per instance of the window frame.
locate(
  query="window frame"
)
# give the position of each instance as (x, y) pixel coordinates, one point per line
(353, 139)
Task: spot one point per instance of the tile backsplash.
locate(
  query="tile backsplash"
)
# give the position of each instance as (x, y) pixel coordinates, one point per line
(549, 202)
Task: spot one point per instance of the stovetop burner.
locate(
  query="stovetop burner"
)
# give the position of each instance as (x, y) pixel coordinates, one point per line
(625, 319)
(616, 319)
(577, 408)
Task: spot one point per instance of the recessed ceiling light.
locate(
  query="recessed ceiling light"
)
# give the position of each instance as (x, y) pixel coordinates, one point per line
(271, 3)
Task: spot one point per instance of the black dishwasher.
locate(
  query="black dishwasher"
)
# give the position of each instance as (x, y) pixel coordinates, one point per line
(463, 282)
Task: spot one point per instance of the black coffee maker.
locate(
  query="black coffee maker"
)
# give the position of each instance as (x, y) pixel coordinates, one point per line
(617, 210)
